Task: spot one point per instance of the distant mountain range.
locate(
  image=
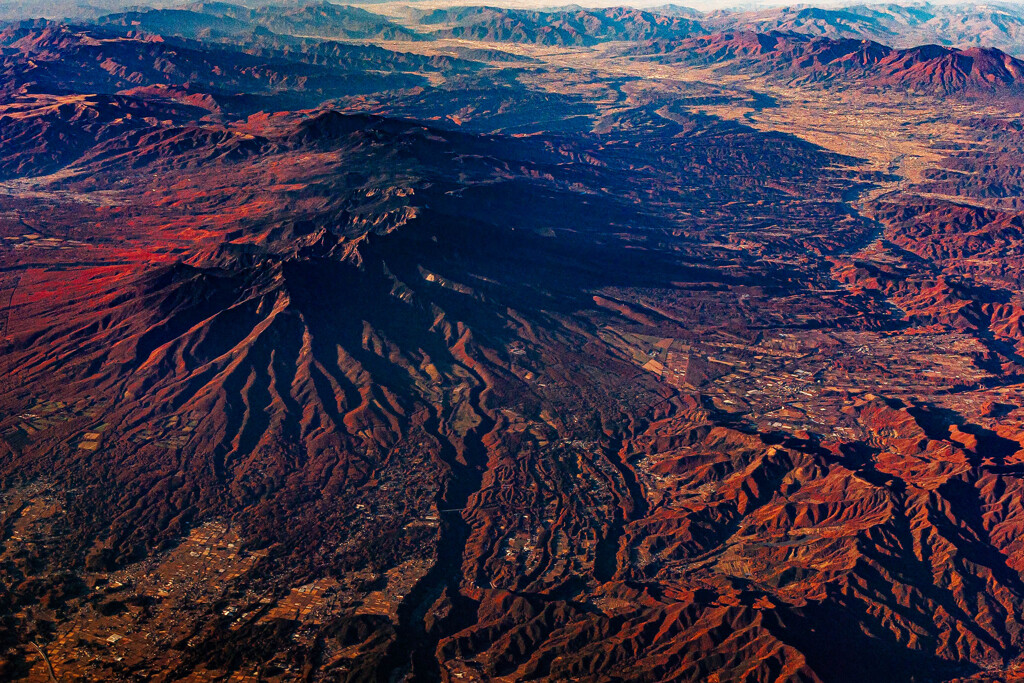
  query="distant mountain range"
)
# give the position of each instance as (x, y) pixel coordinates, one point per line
(997, 25)
(54, 58)
(885, 46)
(213, 19)
(994, 25)
(565, 27)
(930, 69)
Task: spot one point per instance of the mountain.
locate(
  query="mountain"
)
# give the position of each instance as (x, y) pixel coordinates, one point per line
(46, 133)
(176, 22)
(338, 323)
(950, 70)
(991, 25)
(563, 27)
(76, 10)
(998, 25)
(61, 59)
(865, 22)
(219, 19)
(854, 63)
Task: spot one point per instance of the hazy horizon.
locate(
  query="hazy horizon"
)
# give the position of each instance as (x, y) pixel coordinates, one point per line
(72, 8)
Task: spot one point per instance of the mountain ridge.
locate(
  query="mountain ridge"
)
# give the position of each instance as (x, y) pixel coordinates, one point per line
(927, 69)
